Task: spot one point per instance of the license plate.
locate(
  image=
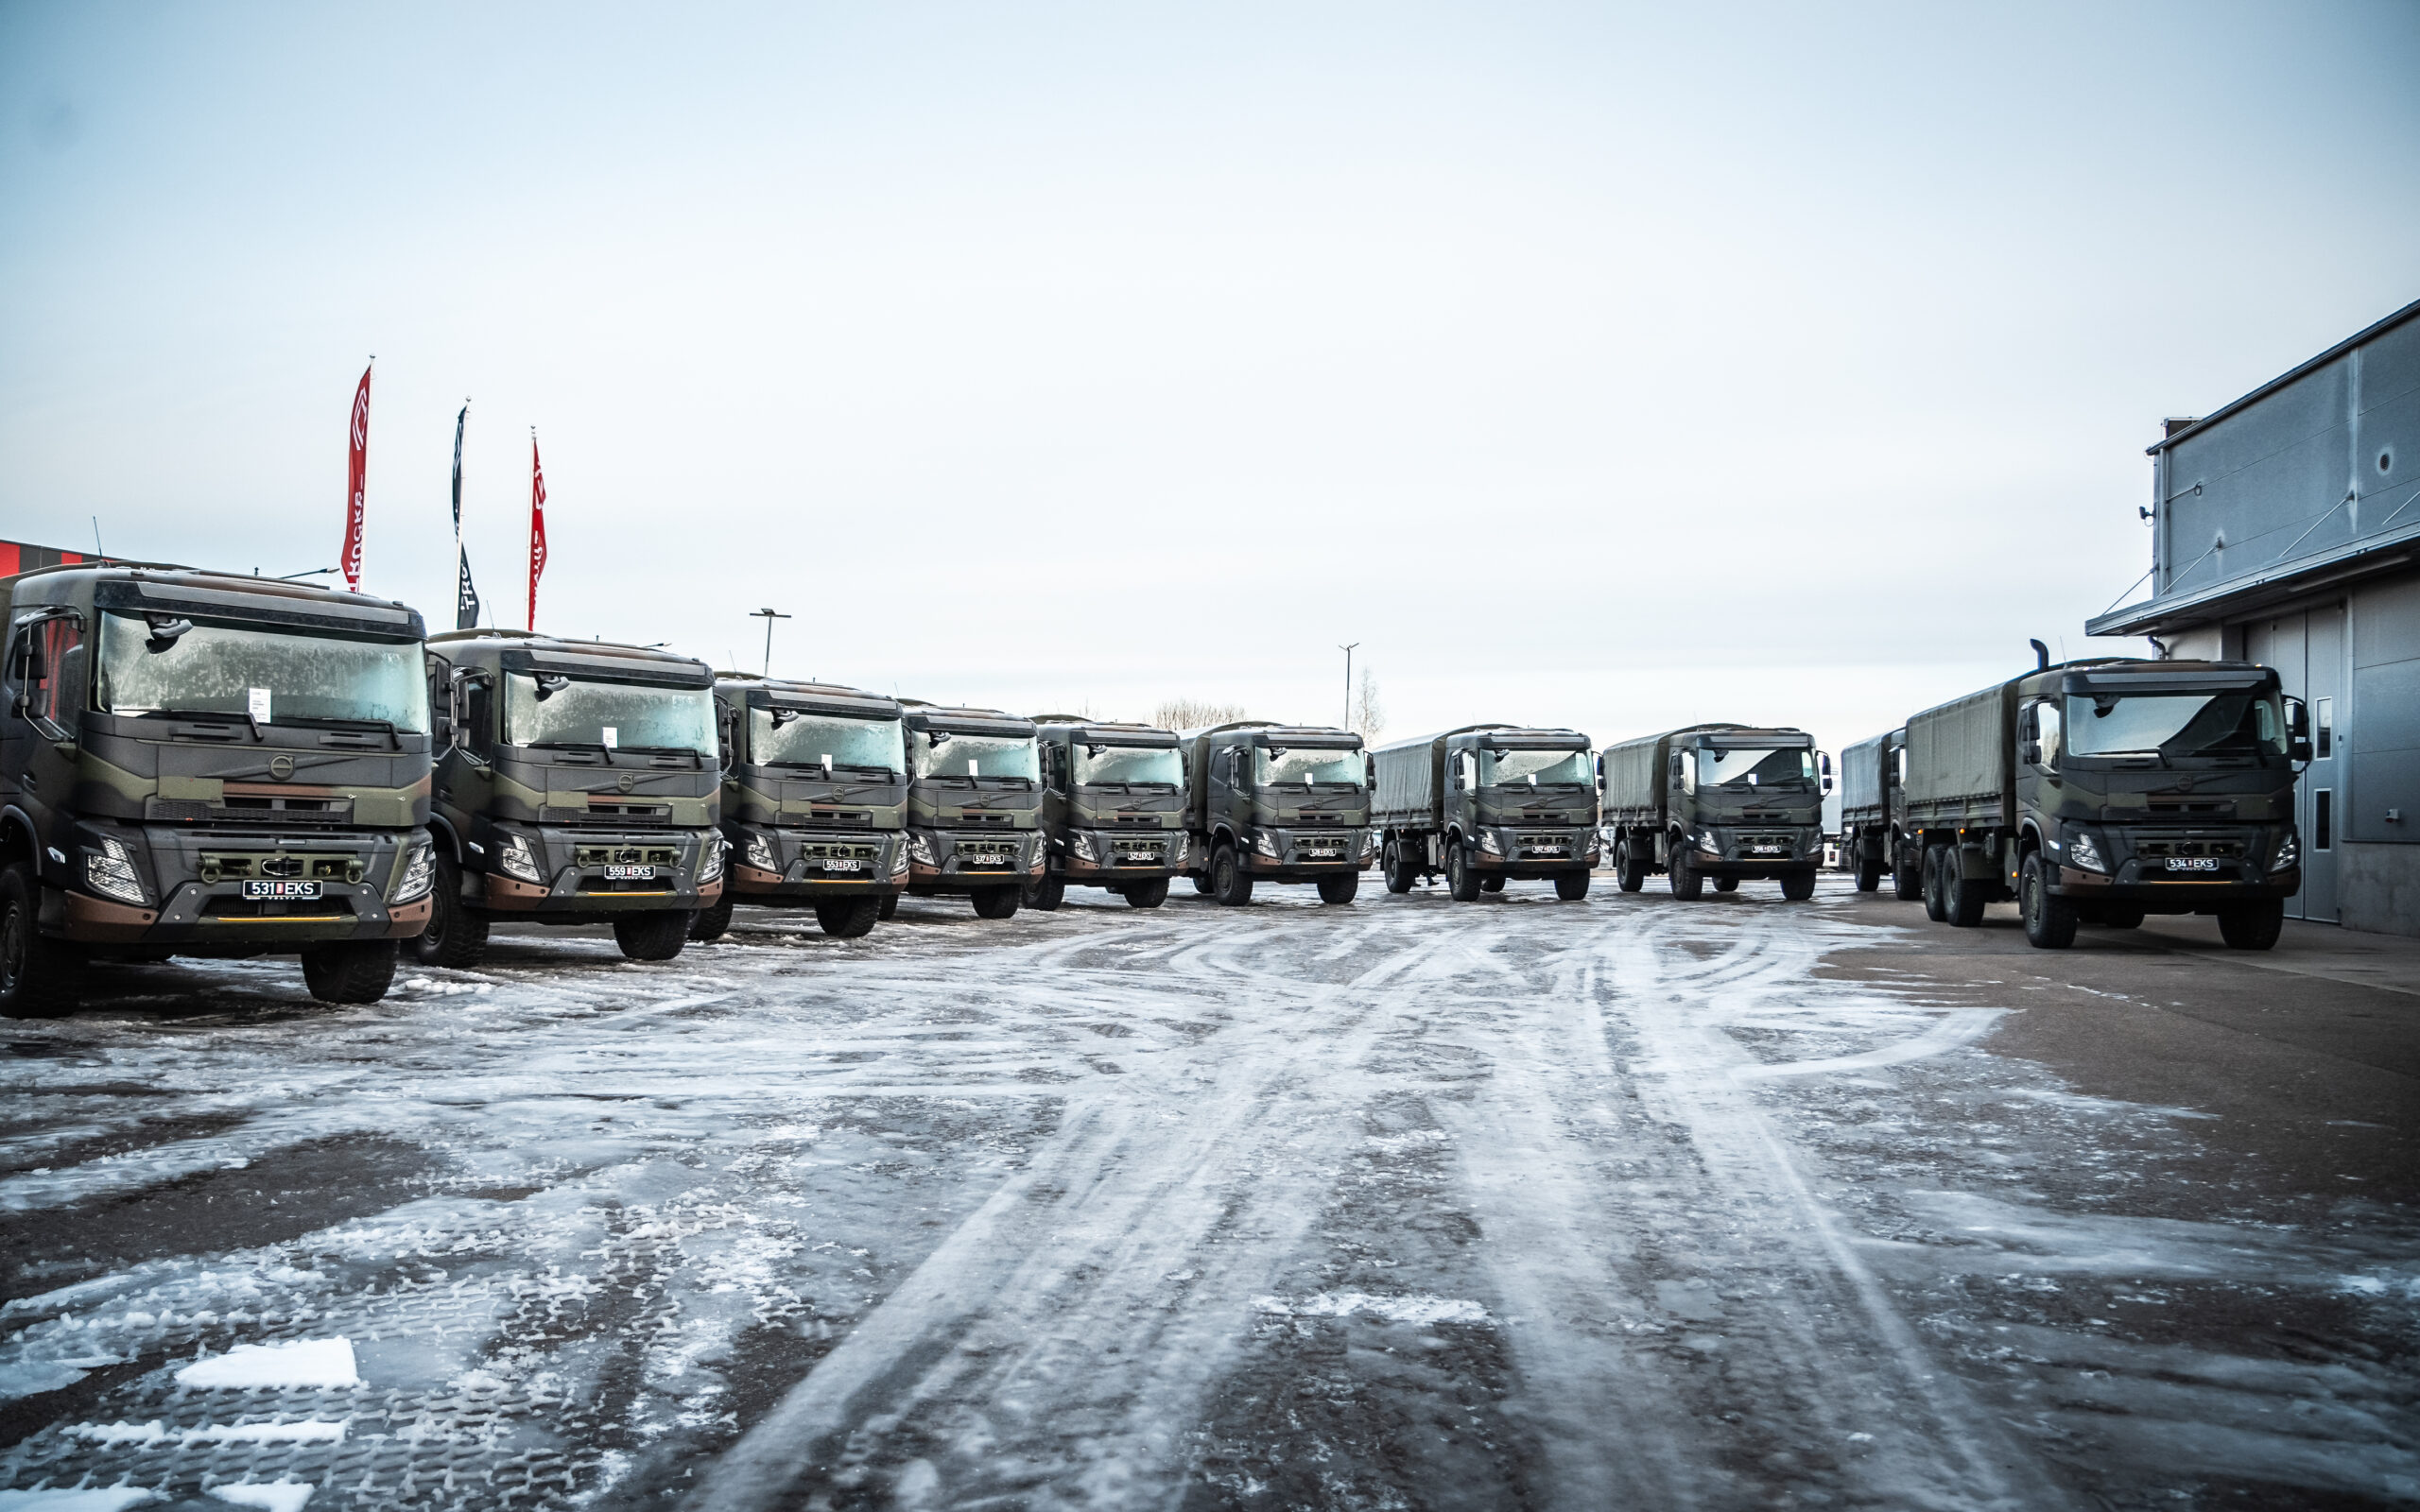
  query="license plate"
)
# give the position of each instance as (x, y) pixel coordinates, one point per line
(1765, 850)
(284, 891)
(1549, 851)
(2192, 864)
(843, 864)
(630, 873)
(990, 859)
(1324, 854)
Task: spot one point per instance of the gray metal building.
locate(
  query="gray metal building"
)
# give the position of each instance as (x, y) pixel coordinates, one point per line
(2286, 530)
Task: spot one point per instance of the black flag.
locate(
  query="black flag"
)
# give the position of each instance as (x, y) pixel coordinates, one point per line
(466, 598)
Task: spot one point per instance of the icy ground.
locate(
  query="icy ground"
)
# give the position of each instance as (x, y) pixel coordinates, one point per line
(1623, 1203)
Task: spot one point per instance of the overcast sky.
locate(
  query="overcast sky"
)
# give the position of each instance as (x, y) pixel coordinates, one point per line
(1591, 365)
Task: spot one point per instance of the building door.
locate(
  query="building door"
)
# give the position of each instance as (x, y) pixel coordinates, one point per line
(2308, 650)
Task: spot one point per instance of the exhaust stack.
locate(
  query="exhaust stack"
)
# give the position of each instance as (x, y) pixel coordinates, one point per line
(2041, 656)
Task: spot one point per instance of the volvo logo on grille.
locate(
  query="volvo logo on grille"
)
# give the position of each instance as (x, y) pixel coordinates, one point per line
(2184, 785)
(626, 782)
(281, 767)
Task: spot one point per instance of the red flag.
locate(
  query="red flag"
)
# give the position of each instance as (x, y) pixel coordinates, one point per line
(357, 481)
(537, 526)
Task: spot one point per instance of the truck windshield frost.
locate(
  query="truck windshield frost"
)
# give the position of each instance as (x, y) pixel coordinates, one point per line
(1551, 768)
(1757, 767)
(975, 755)
(2243, 723)
(1286, 767)
(553, 711)
(221, 669)
(1131, 766)
(780, 737)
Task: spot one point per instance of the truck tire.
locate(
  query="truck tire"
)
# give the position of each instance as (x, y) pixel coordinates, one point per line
(1229, 881)
(1935, 909)
(1203, 884)
(1961, 897)
(2049, 922)
(1627, 877)
(848, 917)
(654, 937)
(1688, 883)
(1869, 874)
(1726, 885)
(1492, 882)
(456, 936)
(350, 971)
(999, 902)
(1462, 883)
(889, 906)
(1146, 894)
(1907, 882)
(38, 978)
(1399, 877)
(1799, 886)
(713, 921)
(1571, 885)
(1046, 894)
(2252, 927)
(1340, 889)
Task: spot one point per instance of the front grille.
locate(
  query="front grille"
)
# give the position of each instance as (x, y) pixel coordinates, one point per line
(829, 850)
(2214, 809)
(625, 855)
(331, 908)
(1550, 845)
(838, 819)
(1771, 844)
(2181, 846)
(175, 810)
(218, 865)
(984, 818)
(986, 854)
(1151, 820)
(1138, 852)
(617, 814)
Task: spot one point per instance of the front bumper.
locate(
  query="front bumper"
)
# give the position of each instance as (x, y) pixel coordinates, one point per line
(1518, 852)
(2162, 894)
(812, 864)
(1119, 856)
(355, 872)
(1758, 853)
(1301, 855)
(963, 860)
(575, 865)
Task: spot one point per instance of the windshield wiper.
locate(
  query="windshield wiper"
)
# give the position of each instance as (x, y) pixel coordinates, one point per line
(694, 759)
(216, 716)
(597, 746)
(395, 736)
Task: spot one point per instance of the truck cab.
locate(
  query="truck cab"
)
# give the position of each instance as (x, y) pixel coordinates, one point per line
(813, 801)
(577, 785)
(198, 764)
(1283, 803)
(974, 805)
(1487, 804)
(1112, 810)
(1725, 803)
(1874, 812)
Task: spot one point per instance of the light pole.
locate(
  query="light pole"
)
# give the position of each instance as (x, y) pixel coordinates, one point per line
(1348, 683)
(769, 616)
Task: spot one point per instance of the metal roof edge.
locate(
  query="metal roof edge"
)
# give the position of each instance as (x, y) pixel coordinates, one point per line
(2379, 328)
(2357, 559)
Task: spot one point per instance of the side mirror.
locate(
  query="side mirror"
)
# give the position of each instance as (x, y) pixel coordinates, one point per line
(2299, 751)
(1824, 764)
(165, 633)
(2297, 719)
(2033, 753)
(1827, 782)
(548, 687)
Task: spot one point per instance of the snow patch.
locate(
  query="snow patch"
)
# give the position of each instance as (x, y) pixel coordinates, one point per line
(108, 1499)
(311, 1432)
(277, 1496)
(27, 1378)
(303, 1363)
(1416, 1308)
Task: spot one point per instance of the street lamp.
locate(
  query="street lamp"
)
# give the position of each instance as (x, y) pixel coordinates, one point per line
(769, 616)
(1348, 683)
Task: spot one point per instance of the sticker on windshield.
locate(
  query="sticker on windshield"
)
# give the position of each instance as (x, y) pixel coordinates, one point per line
(258, 704)
(613, 736)
(970, 767)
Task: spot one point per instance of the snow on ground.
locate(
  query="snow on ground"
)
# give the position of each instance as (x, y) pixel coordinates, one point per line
(1406, 1204)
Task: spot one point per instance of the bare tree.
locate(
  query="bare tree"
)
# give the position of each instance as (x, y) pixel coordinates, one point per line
(1194, 713)
(1368, 720)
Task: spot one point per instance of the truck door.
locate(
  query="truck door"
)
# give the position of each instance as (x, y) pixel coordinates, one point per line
(46, 666)
(2308, 649)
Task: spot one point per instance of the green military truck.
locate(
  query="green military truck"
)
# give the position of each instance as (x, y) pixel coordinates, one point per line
(1484, 804)
(1874, 811)
(576, 785)
(1267, 802)
(197, 764)
(814, 802)
(1112, 810)
(974, 805)
(2103, 791)
(1730, 802)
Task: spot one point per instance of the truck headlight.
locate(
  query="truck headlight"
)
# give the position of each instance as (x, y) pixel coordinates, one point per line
(2083, 851)
(419, 870)
(760, 853)
(1369, 844)
(1083, 847)
(2289, 851)
(710, 859)
(899, 860)
(514, 858)
(920, 848)
(1707, 842)
(1041, 857)
(1489, 844)
(110, 871)
(1266, 843)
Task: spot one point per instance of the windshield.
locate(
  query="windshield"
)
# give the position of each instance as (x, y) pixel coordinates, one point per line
(277, 677)
(616, 715)
(1755, 766)
(1285, 765)
(974, 755)
(1548, 768)
(782, 737)
(1129, 764)
(2241, 723)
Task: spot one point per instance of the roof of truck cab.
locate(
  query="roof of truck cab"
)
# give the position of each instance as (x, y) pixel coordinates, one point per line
(1300, 734)
(819, 697)
(1100, 730)
(596, 658)
(141, 588)
(970, 721)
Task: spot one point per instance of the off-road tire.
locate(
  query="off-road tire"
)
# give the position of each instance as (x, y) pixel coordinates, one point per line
(1962, 897)
(1869, 874)
(1462, 883)
(713, 921)
(1726, 885)
(848, 917)
(1688, 883)
(38, 978)
(1399, 877)
(350, 971)
(999, 902)
(2049, 922)
(1146, 894)
(1799, 886)
(1340, 889)
(2252, 927)
(1203, 884)
(1935, 909)
(1630, 873)
(1046, 894)
(1906, 882)
(889, 906)
(652, 937)
(1493, 881)
(456, 936)
(2120, 916)
(1229, 881)
(1571, 885)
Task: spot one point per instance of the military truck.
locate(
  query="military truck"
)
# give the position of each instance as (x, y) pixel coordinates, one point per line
(576, 785)
(1726, 803)
(974, 805)
(1112, 810)
(198, 764)
(1267, 802)
(1874, 810)
(1484, 804)
(813, 801)
(2102, 791)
